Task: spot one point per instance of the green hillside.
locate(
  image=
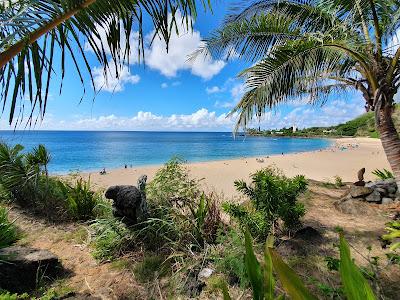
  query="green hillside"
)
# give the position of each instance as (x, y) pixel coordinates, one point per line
(363, 125)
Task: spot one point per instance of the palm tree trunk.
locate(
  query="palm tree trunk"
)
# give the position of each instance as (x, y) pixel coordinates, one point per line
(15, 49)
(390, 140)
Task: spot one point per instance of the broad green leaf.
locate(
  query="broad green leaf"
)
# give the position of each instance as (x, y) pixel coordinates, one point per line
(269, 280)
(253, 268)
(355, 285)
(395, 246)
(291, 283)
(225, 290)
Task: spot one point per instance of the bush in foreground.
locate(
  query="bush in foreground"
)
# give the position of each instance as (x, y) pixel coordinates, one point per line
(273, 197)
(8, 231)
(24, 180)
(181, 218)
(263, 281)
(81, 200)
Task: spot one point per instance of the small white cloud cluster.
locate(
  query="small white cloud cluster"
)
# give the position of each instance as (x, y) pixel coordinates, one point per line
(110, 82)
(236, 89)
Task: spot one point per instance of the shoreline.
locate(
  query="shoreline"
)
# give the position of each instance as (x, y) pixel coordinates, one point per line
(343, 158)
(159, 165)
(150, 165)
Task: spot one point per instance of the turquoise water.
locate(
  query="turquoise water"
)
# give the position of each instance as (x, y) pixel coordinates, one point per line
(94, 150)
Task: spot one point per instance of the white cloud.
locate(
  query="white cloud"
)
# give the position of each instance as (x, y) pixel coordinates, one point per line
(182, 46)
(226, 104)
(164, 85)
(213, 90)
(111, 82)
(167, 63)
(333, 113)
(201, 120)
(102, 43)
(238, 91)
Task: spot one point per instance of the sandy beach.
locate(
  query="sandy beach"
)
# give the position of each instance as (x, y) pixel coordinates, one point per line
(343, 159)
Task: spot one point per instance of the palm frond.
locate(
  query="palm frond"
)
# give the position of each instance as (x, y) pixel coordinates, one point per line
(253, 33)
(293, 71)
(32, 31)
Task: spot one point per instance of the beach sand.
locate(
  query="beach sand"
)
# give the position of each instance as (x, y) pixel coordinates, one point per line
(344, 159)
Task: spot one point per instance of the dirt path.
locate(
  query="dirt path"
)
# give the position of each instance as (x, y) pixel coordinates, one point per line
(87, 276)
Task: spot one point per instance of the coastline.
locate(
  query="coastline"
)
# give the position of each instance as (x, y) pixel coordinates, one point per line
(343, 158)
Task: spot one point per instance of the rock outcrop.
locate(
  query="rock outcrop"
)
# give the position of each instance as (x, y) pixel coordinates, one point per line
(129, 202)
(22, 267)
(378, 192)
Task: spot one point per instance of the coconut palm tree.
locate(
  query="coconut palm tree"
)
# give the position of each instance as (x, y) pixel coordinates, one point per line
(35, 34)
(308, 49)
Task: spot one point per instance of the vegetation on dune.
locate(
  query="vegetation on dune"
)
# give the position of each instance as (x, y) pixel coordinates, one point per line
(383, 174)
(184, 233)
(393, 234)
(311, 49)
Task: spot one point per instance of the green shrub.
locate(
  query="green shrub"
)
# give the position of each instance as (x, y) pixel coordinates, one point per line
(180, 219)
(81, 200)
(172, 183)
(8, 231)
(151, 267)
(338, 181)
(248, 216)
(228, 257)
(273, 197)
(180, 214)
(393, 234)
(24, 179)
(9, 296)
(5, 196)
(383, 174)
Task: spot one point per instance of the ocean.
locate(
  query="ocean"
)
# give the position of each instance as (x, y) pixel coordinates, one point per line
(93, 150)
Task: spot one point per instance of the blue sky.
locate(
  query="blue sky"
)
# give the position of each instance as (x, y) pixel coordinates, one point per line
(170, 93)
